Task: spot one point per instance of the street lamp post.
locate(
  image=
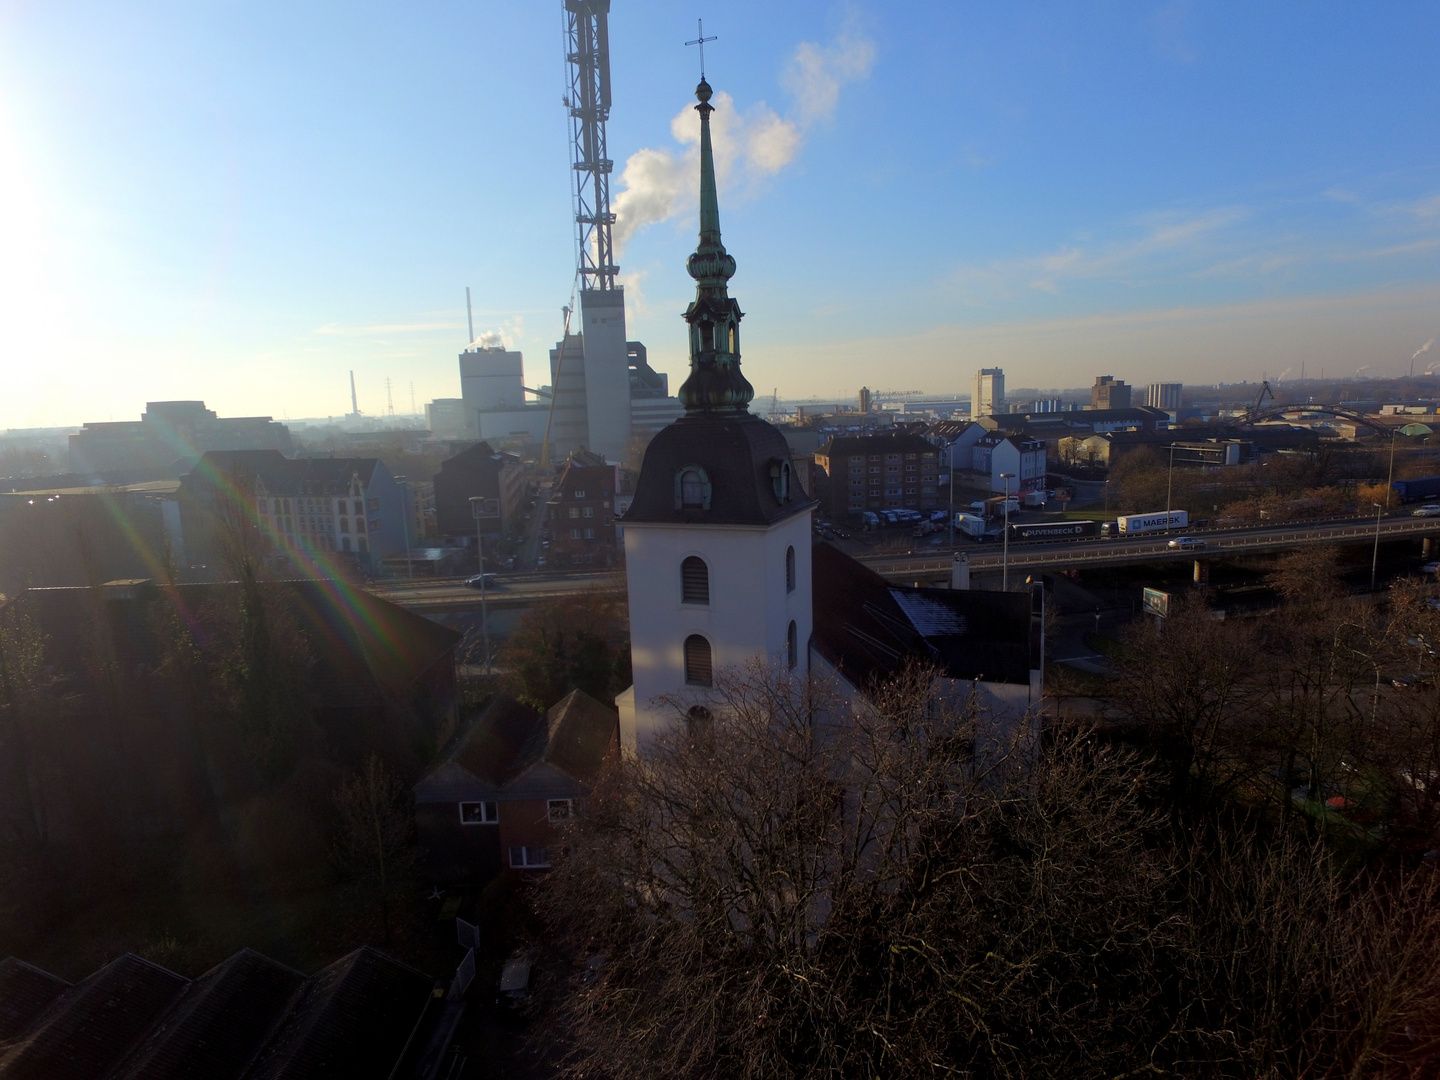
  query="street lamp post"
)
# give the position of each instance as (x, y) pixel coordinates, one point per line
(1390, 479)
(477, 507)
(405, 525)
(1375, 558)
(1005, 538)
(1169, 485)
(952, 498)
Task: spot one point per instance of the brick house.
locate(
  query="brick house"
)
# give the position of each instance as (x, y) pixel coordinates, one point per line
(496, 799)
(581, 512)
(878, 472)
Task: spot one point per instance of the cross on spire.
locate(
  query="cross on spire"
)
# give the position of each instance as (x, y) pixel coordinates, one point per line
(700, 40)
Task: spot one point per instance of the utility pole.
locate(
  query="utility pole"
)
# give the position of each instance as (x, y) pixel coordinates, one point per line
(477, 507)
(1005, 537)
(1375, 558)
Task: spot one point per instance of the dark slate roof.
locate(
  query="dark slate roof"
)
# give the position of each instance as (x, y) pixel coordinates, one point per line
(579, 733)
(869, 629)
(25, 992)
(509, 738)
(218, 1023)
(282, 475)
(882, 442)
(736, 453)
(355, 1015)
(246, 1018)
(88, 1031)
(494, 744)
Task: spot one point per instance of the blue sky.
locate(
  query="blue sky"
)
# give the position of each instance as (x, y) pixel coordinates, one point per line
(242, 202)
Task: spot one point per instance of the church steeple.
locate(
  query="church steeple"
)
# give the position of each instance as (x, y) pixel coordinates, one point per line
(715, 384)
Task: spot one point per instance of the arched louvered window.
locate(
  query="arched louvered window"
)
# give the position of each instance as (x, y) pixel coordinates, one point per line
(694, 581)
(792, 646)
(699, 670)
(790, 569)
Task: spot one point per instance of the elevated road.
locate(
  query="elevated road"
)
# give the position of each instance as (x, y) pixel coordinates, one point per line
(509, 590)
(1076, 554)
(512, 591)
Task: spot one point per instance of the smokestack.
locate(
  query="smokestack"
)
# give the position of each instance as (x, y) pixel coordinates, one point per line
(354, 404)
(469, 318)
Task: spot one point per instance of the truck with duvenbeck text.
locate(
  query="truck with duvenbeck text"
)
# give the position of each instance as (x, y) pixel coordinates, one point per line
(1055, 530)
(1163, 521)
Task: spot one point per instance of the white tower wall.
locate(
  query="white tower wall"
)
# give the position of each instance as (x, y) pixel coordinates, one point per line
(748, 616)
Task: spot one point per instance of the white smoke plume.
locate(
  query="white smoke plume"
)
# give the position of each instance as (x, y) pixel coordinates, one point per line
(660, 185)
(1281, 376)
(1422, 350)
(489, 339)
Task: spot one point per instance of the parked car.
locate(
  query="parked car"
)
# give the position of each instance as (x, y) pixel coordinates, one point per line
(1184, 543)
(1428, 510)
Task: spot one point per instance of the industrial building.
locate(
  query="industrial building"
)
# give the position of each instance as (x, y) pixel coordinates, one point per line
(987, 393)
(1109, 393)
(168, 439)
(1164, 395)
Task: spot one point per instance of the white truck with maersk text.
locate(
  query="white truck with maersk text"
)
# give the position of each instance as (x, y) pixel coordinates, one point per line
(1164, 521)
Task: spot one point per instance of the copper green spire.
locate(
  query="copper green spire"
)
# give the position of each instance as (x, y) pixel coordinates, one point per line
(715, 383)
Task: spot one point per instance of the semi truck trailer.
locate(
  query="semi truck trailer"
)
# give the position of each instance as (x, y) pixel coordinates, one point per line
(1139, 524)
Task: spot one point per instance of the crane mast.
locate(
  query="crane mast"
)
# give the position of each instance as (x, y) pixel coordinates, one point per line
(587, 52)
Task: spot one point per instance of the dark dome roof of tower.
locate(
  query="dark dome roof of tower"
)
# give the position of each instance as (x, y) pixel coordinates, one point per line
(737, 453)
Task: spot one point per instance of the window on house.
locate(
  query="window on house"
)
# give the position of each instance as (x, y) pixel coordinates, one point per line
(579, 493)
(699, 669)
(792, 646)
(694, 581)
(359, 507)
(529, 858)
(790, 569)
(589, 511)
(374, 504)
(575, 512)
(559, 809)
(479, 813)
(574, 534)
(344, 524)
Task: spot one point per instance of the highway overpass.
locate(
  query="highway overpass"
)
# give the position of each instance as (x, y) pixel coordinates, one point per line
(1078, 554)
(515, 591)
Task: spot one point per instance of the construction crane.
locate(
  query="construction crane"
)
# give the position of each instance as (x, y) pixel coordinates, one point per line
(774, 402)
(587, 52)
(1265, 392)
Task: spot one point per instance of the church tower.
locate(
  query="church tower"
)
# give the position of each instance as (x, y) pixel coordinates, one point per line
(717, 540)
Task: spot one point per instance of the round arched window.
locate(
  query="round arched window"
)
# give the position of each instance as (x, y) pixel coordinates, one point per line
(790, 569)
(694, 581)
(792, 646)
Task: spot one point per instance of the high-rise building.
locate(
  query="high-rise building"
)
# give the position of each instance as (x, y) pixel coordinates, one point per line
(987, 393)
(1164, 395)
(1109, 393)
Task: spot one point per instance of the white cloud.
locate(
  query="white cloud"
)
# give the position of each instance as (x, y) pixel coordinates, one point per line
(750, 145)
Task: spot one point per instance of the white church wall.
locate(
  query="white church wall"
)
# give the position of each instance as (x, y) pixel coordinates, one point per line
(748, 616)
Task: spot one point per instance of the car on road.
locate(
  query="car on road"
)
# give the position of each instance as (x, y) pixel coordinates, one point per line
(486, 579)
(1185, 543)
(1428, 510)
(1430, 568)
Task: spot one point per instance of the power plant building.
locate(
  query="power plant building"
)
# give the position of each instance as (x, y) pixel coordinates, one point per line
(987, 392)
(1164, 395)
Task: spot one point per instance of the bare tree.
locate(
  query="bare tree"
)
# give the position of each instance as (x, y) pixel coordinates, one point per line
(799, 886)
(374, 831)
(1192, 683)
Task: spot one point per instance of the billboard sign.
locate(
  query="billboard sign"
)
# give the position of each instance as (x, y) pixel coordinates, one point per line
(1155, 602)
